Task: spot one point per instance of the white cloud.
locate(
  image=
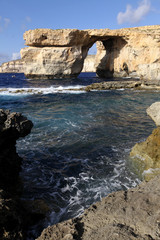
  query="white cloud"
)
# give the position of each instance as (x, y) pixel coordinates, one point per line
(24, 25)
(3, 58)
(16, 55)
(4, 22)
(28, 19)
(132, 15)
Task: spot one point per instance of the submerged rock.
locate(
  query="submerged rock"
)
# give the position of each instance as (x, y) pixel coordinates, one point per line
(132, 214)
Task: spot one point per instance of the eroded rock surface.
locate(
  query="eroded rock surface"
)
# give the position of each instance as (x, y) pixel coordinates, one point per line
(129, 52)
(146, 155)
(154, 112)
(133, 214)
(12, 127)
(16, 66)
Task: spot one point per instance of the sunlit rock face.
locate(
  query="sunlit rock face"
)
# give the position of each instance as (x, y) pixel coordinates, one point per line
(89, 64)
(129, 52)
(15, 66)
(53, 62)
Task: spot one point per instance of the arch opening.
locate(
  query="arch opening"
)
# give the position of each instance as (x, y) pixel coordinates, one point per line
(110, 59)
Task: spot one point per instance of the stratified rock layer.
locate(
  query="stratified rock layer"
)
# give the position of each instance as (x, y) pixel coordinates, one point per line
(133, 214)
(129, 52)
(16, 66)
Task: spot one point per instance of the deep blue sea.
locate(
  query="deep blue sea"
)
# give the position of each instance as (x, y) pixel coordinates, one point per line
(78, 150)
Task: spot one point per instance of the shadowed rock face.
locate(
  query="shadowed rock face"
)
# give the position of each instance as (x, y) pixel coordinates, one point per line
(12, 127)
(132, 52)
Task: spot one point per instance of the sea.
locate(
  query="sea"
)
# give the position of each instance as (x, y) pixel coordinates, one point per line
(78, 150)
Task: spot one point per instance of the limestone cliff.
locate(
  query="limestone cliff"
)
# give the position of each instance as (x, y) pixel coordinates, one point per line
(131, 52)
(88, 65)
(16, 66)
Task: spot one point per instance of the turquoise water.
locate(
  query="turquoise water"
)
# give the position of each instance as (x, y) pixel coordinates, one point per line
(78, 150)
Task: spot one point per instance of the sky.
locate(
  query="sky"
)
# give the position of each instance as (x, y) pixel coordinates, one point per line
(18, 16)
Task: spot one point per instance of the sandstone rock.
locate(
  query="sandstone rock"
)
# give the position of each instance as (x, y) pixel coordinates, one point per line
(128, 52)
(154, 112)
(16, 66)
(61, 37)
(132, 214)
(53, 62)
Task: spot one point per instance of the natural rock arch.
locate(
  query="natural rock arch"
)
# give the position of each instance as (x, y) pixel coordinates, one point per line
(132, 52)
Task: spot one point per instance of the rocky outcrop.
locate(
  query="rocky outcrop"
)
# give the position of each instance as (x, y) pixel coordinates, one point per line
(88, 65)
(12, 127)
(16, 66)
(132, 52)
(154, 112)
(132, 214)
(146, 155)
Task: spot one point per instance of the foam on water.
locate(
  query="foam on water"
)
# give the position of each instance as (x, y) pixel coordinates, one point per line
(49, 90)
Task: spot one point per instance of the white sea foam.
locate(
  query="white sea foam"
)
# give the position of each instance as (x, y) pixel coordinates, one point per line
(48, 90)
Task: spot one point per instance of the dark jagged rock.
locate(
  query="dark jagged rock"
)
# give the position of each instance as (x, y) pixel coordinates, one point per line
(12, 127)
(12, 212)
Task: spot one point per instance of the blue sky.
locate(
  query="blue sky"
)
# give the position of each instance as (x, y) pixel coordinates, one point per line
(18, 16)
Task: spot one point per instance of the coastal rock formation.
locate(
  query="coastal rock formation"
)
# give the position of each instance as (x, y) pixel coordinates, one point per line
(146, 155)
(53, 62)
(15, 66)
(89, 63)
(12, 127)
(154, 112)
(132, 214)
(129, 52)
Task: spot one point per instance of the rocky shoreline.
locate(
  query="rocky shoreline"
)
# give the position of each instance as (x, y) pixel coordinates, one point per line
(132, 214)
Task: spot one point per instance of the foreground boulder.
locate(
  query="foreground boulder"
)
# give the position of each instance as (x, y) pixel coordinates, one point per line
(146, 155)
(128, 52)
(154, 112)
(12, 213)
(132, 214)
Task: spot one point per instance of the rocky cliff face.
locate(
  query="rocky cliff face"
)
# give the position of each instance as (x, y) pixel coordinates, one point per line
(12, 126)
(16, 66)
(132, 52)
